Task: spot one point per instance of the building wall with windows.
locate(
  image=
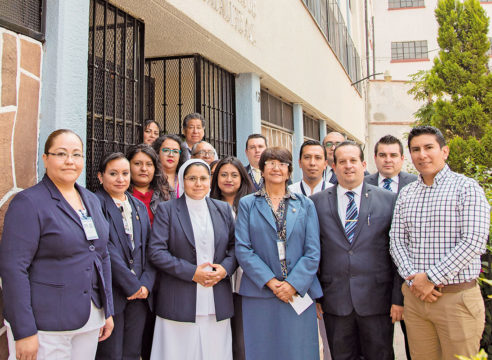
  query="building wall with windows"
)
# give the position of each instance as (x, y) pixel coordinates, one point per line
(405, 38)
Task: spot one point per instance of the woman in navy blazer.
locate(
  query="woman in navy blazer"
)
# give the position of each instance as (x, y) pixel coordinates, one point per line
(133, 276)
(54, 262)
(277, 246)
(193, 300)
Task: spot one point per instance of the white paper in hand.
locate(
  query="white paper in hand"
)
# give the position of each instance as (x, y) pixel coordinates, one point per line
(301, 303)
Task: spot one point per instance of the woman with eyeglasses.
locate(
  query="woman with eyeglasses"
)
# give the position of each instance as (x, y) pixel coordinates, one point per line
(151, 132)
(54, 262)
(192, 248)
(172, 154)
(133, 276)
(230, 183)
(148, 183)
(277, 246)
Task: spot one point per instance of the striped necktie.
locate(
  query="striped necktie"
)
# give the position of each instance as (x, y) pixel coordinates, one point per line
(333, 178)
(351, 216)
(387, 184)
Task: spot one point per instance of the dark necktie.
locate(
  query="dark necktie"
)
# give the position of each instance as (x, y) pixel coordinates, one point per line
(333, 178)
(387, 184)
(351, 216)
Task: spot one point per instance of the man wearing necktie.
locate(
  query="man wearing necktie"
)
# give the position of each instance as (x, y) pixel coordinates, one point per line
(388, 156)
(357, 276)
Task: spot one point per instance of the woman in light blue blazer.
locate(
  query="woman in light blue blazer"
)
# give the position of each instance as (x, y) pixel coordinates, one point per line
(277, 246)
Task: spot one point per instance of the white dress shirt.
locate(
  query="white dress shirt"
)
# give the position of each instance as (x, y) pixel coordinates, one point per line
(296, 187)
(203, 232)
(393, 185)
(343, 200)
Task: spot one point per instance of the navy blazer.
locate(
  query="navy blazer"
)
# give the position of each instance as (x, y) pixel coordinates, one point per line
(404, 179)
(125, 282)
(257, 252)
(47, 264)
(172, 251)
(360, 275)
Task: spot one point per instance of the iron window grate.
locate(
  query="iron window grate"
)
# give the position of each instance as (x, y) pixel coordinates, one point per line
(23, 16)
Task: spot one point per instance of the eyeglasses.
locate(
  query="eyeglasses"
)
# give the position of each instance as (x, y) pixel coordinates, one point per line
(194, 179)
(64, 156)
(271, 164)
(170, 152)
(205, 153)
(194, 128)
(330, 144)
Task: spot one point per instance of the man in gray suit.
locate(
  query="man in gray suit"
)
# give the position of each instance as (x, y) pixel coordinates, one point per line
(358, 278)
(388, 156)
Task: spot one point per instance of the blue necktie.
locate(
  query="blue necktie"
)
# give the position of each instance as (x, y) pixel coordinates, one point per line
(387, 184)
(333, 178)
(351, 216)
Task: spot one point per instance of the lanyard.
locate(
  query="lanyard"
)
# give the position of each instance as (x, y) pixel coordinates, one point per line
(304, 192)
(280, 224)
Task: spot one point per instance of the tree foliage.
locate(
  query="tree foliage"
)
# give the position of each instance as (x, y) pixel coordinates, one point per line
(457, 91)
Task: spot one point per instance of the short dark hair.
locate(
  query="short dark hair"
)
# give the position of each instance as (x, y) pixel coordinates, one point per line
(150, 121)
(348, 143)
(388, 140)
(256, 136)
(193, 116)
(427, 130)
(51, 138)
(105, 160)
(158, 143)
(245, 188)
(159, 181)
(312, 143)
(276, 153)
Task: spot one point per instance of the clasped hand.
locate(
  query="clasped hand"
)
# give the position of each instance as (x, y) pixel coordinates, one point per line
(282, 289)
(423, 288)
(142, 293)
(209, 278)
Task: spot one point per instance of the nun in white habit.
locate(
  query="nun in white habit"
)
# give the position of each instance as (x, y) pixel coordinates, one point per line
(192, 246)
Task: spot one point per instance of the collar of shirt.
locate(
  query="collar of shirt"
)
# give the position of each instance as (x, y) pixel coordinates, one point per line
(316, 189)
(395, 179)
(438, 178)
(288, 193)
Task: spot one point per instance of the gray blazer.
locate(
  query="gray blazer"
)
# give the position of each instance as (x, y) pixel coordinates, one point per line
(405, 179)
(360, 275)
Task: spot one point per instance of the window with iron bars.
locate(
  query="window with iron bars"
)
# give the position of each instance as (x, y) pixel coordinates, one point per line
(179, 85)
(409, 50)
(398, 4)
(115, 86)
(24, 17)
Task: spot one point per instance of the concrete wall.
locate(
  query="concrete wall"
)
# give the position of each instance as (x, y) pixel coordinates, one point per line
(20, 79)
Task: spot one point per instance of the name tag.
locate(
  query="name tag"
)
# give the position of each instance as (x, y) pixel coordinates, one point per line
(89, 229)
(281, 250)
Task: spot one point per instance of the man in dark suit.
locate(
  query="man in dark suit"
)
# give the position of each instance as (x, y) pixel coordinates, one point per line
(388, 156)
(330, 142)
(357, 275)
(255, 145)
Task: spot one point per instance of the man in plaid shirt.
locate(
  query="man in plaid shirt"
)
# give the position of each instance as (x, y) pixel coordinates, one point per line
(439, 230)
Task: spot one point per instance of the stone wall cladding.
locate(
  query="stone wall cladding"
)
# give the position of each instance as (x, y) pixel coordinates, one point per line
(20, 79)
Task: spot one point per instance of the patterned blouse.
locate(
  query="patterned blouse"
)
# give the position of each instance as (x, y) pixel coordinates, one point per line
(278, 216)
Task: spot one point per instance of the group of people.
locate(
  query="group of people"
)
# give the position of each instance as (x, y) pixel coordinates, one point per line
(181, 255)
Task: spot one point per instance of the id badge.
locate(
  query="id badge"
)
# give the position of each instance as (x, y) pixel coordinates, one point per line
(89, 229)
(281, 250)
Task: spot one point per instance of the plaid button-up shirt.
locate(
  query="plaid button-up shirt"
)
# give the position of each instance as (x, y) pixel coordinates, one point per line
(440, 229)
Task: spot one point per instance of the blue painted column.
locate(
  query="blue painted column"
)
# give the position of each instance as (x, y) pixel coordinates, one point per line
(64, 73)
(248, 111)
(322, 130)
(297, 140)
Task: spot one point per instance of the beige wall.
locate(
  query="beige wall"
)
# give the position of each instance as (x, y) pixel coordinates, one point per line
(20, 64)
(276, 39)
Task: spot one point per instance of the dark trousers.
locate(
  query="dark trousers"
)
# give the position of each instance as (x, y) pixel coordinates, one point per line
(148, 335)
(354, 337)
(237, 329)
(125, 341)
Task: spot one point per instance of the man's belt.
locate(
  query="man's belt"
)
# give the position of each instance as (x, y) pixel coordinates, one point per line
(454, 288)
